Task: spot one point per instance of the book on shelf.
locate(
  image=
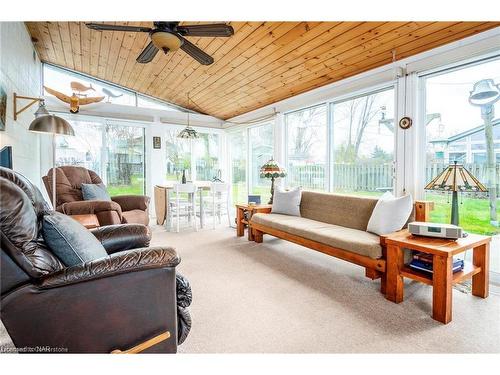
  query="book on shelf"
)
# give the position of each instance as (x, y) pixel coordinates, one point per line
(458, 265)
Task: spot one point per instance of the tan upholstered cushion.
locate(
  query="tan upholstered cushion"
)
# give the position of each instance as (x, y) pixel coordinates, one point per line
(353, 240)
(347, 211)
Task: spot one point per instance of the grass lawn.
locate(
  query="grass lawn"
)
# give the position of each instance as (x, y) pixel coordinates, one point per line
(135, 188)
(474, 213)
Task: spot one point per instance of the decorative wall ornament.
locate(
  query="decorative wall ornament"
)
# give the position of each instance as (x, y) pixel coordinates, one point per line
(157, 142)
(3, 108)
(74, 100)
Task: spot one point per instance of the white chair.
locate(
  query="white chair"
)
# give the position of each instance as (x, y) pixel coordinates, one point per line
(179, 206)
(219, 201)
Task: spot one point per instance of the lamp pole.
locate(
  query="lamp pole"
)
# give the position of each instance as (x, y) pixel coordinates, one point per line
(487, 113)
(484, 95)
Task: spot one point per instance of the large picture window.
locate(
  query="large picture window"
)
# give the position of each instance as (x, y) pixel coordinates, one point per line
(113, 150)
(307, 148)
(125, 159)
(457, 131)
(363, 144)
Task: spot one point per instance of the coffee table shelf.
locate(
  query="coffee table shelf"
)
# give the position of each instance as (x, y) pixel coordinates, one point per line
(426, 278)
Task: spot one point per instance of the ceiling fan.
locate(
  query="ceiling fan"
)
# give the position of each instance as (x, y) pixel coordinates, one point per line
(169, 36)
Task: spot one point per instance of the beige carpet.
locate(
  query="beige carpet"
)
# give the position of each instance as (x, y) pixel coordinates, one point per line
(277, 297)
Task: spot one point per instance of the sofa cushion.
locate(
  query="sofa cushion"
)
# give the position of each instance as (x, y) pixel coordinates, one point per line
(95, 192)
(390, 214)
(287, 202)
(345, 210)
(69, 240)
(353, 240)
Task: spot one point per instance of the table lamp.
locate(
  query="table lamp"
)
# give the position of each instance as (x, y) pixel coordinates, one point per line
(272, 170)
(456, 178)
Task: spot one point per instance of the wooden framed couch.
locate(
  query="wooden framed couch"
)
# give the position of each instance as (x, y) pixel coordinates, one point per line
(335, 224)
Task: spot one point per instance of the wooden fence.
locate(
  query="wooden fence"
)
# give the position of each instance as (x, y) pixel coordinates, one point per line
(366, 176)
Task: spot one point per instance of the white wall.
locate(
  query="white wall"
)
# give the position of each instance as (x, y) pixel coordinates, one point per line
(20, 72)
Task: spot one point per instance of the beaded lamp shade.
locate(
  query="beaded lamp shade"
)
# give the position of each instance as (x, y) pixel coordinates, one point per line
(188, 133)
(272, 170)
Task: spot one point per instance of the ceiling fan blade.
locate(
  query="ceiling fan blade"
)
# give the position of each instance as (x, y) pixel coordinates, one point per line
(216, 29)
(196, 53)
(105, 27)
(147, 54)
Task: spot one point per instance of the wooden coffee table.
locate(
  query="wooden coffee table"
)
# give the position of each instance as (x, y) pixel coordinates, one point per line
(241, 221)
(442, 278)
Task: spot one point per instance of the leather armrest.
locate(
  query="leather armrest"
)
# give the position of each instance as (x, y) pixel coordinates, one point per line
(122, 237)
(132, 202)
(89, 207)
(114, 264)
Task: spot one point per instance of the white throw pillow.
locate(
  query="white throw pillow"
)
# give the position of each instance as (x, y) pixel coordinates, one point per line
(287, 202)
(390, 214)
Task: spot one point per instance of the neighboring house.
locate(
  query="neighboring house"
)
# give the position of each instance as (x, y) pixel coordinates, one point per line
(466, 147)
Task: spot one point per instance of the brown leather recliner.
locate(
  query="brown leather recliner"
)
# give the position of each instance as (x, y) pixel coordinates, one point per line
(121, 209)
(115, 302)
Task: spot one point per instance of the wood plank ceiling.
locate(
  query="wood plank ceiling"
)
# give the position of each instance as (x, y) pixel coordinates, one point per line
(264, 62)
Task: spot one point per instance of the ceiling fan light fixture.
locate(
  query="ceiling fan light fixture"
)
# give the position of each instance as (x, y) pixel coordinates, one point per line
(163, 39)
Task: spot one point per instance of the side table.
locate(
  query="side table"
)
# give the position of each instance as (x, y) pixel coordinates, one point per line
(242, 220)
(442, 277)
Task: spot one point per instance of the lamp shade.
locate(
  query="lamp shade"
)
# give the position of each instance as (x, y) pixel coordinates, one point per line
(272, 170)
(456, 178)
(51, 124)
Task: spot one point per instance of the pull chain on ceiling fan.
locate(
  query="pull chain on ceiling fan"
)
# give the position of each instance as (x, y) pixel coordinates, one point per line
(169, 36)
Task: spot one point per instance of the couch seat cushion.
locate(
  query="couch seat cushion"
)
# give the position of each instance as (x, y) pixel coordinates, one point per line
(353, 240)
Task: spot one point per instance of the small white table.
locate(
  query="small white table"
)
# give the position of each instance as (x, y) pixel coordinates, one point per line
(201, 186)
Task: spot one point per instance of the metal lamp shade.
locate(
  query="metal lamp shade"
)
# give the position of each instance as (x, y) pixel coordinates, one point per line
(51, 124)
(484, 92)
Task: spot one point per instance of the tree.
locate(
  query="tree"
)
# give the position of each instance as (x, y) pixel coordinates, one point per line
(304, 138)
(359, 113)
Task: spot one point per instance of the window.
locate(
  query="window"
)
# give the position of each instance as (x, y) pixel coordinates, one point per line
(206, 154)
(145, 102)
(178, 156)
(261, 140)
(306, 148)
(60, 80)
(363, 144)
(238, 158)
(125, 159)
(82, 150)
(115, 151)
(452, 121)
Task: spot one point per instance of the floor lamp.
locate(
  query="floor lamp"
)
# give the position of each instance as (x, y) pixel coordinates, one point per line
(45, 123)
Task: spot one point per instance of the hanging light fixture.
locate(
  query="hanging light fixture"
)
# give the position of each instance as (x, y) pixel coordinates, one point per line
(188, 132)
